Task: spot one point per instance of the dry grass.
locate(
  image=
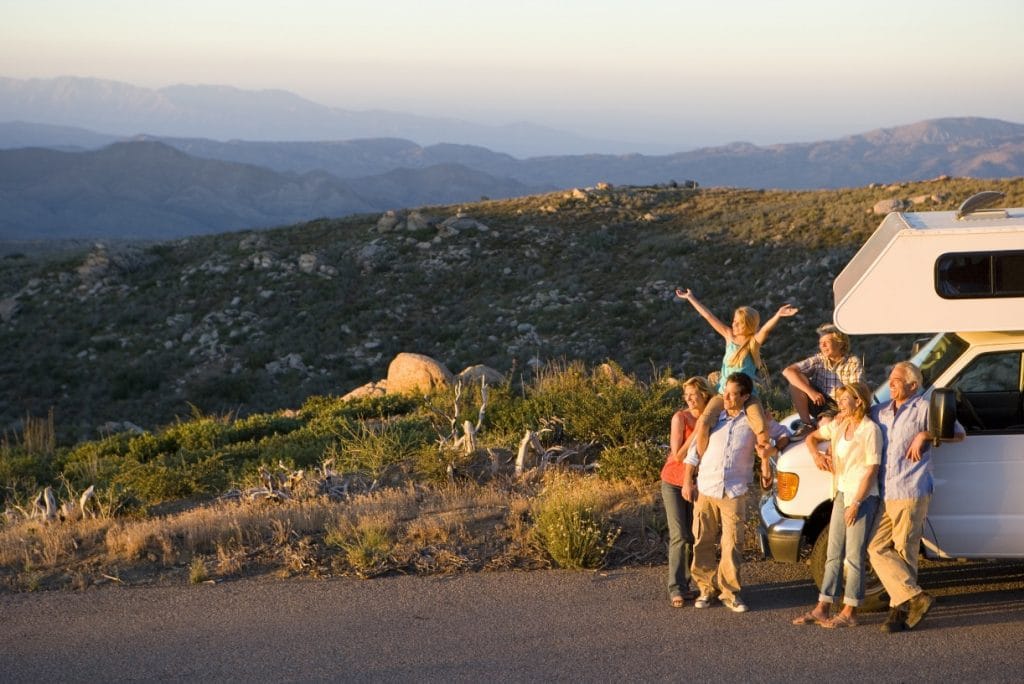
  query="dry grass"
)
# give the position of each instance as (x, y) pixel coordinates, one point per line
(38, 436)
(35, 544)
(207, 528)
(424, 530)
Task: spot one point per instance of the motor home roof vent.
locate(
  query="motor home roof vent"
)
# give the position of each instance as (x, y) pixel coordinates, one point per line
(977, 206)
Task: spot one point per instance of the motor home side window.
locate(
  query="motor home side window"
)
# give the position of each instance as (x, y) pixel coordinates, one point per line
(989, 393)
(967, 275)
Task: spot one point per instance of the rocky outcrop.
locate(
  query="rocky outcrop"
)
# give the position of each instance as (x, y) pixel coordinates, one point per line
(8, 308)
(370, 389)
(102, 263)
(372, 256)
(886, 206)
(411, 221)
(286, 363)
(474, 374)
(409, 373)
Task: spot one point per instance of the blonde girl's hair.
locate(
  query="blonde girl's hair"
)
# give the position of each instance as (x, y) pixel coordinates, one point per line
(751, 320)
(701, 385)
(863, 393)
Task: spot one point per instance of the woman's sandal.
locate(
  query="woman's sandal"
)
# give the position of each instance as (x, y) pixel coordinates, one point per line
(809, 618)
(840, 620)
(677, 602)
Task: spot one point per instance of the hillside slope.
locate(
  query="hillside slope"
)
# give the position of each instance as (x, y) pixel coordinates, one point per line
(260, 320)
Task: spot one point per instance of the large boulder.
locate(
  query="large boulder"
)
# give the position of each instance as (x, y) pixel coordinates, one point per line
(309, 263)
(389, 221)
(886, 206)
(409, 373)
(418, 221)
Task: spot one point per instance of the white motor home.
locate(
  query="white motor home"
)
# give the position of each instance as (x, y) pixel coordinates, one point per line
(927, 272)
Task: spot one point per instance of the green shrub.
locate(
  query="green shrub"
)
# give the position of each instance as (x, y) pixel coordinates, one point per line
(167, 478)
(96, 462)
(358, 409)
(153, 482)
(148, 446)
(367, 545)
(641, 462)
(509, 413)
(606, 406)
(22, 472)
(569, 527)
(383, 451)
(258, 426)
(304, 448)
(199, 433)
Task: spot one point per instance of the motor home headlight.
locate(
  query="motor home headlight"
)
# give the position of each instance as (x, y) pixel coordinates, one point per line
(787, 484)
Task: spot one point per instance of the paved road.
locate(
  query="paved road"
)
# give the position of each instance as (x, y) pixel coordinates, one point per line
(505, 627)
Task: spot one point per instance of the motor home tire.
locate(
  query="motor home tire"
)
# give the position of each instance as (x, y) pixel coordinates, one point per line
(875, 598)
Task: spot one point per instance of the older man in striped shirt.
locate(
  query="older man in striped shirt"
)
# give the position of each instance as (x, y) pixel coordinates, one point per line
(906, 487)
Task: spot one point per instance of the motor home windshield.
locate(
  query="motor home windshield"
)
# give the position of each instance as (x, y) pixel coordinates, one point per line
(933, 359)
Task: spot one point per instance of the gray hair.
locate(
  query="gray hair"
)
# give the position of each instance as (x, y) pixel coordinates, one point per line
(911, 372)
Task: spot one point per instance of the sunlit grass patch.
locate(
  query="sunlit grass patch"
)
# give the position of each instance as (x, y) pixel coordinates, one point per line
(366, 543)
(571, 523)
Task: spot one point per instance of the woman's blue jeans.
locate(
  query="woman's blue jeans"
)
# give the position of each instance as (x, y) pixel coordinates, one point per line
(847, 547)
(679, 513)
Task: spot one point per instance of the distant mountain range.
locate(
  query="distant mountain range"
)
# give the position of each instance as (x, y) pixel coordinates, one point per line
(225, 113)
(61, 179)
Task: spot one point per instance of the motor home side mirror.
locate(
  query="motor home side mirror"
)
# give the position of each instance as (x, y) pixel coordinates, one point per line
(941, 415)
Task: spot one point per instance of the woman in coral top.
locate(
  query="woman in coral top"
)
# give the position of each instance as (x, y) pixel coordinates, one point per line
(679, 511)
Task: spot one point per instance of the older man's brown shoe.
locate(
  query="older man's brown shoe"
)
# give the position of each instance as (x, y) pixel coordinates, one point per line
(897, 620)
(919, 607)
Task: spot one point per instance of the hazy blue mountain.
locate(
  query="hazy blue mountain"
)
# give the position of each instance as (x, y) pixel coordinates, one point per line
(349, 158)
(974, 147)
(145, 189)
(971, 147)
(225, 113)
(14, 134)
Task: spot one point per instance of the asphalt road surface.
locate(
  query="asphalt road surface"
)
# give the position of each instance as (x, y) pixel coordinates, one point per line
(509, 626)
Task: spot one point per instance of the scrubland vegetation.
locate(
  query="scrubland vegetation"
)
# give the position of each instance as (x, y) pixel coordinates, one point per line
(382, 488)
(569, 295)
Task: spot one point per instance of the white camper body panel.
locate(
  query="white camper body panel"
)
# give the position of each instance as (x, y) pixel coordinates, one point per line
(889, 285)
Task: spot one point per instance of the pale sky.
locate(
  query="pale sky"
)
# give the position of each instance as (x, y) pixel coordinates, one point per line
(677, 72)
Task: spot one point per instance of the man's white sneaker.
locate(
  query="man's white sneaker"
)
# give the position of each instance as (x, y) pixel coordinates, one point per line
(703, 601)
(735, 604)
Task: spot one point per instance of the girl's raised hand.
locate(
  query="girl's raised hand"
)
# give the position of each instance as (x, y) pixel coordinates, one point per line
(683, 294)
(788, 310)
